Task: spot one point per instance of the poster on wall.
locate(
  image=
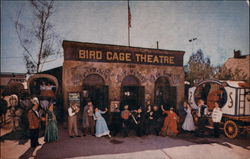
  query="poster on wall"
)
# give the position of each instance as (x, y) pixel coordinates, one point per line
(114, 106)
(74, 97)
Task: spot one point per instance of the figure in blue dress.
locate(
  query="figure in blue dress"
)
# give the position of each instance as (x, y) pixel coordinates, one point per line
(51, 131)
(101, 125)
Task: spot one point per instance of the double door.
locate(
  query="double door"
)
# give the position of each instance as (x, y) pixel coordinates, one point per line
(133, 96)
(97, 94)
(166, 96)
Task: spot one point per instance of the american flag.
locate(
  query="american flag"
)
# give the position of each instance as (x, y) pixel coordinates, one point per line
(129, 16)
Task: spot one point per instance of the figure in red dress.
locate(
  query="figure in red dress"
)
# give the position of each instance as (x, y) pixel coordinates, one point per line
(170, 123)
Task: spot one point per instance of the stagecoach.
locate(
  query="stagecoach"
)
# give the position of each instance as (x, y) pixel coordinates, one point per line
(234, 99)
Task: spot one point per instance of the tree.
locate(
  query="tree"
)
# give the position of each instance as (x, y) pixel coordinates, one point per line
(224, 73)
(227, 72)
(198, 67)
(37, 38)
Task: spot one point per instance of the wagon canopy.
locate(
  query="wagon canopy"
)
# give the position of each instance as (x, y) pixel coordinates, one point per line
(232, 96)
(35, 81)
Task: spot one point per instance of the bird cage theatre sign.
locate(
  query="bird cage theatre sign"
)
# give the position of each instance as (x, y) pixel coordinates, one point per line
(131, 75)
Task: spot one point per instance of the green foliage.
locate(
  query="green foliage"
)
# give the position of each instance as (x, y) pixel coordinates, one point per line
(223, 73)
(198, 67)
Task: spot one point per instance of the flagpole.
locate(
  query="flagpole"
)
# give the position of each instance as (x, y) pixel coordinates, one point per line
(128, 36)
(128, 24)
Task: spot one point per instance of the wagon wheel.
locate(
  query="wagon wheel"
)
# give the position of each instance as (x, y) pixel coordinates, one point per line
(231, 129)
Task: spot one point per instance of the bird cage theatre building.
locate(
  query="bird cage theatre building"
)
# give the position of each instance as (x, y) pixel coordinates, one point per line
(112, 76)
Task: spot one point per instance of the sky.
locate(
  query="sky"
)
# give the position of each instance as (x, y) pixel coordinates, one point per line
(219, 26)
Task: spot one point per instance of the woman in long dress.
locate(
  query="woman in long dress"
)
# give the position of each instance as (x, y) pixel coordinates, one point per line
(188, 124)
(101, 126)
(51, 131)
(170, 123)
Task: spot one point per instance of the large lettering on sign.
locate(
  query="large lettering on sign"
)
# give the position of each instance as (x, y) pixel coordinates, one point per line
(126, 56)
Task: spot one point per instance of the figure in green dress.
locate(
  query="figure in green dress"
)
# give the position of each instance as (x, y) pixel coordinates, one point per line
(51, 131)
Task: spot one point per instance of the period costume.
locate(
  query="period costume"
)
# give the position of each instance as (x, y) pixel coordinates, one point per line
(188, 124)
(42, 87)
(116, 123)
(139, 118)
(51, 131)
(156, 122)
(101, 125)
(47, 91)
(216, 117)
(3, 110)
(182, 114)
(44, 104)
(72, 121)
(88, 120)
(125, 114)
(202, 120)
(148, 122)
(170, 124)
(34, 125)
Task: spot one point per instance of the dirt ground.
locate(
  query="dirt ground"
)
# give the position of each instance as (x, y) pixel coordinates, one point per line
(185, 145)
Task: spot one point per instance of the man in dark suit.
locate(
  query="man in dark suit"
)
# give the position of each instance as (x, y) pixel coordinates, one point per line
(34, 123)
(202, 118)
(157, 120)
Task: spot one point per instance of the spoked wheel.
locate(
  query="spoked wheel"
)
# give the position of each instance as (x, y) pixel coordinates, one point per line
(231, 129)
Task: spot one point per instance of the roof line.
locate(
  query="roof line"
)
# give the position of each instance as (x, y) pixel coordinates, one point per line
(78, 42)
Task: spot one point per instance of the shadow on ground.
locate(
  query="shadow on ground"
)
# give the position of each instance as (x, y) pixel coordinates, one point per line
(22, 136)
(242, 140)
(67, 147)
(19, 135)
